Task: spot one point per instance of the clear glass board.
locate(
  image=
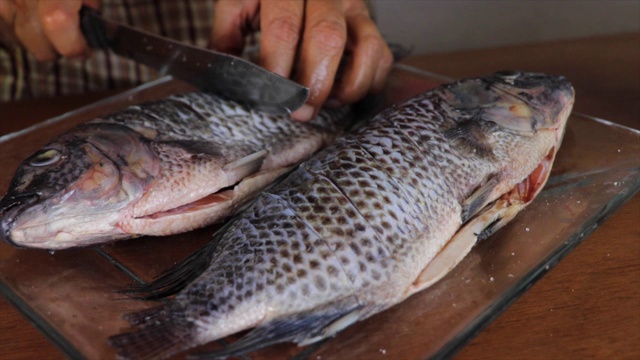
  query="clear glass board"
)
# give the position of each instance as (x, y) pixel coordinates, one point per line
(72, 295)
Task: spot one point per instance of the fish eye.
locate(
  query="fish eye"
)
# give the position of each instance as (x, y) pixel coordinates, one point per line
(45, 158)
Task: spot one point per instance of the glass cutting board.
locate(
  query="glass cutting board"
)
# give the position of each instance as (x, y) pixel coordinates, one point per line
(72, 297)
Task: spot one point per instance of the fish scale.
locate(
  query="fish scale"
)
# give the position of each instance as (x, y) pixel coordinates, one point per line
(365, 223)
(351, 254)
(273, 263)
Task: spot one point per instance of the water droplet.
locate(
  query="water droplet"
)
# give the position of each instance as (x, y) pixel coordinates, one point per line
(526, 229)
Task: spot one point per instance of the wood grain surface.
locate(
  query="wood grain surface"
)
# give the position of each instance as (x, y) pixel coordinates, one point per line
(587, 307)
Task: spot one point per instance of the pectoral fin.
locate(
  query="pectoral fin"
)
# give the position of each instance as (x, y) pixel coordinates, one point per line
(468, 135)
(245, 166)
(485, 224)
(479, 199)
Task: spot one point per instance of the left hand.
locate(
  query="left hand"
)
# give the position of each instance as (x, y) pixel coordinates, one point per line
(45, 28)
(307, 40)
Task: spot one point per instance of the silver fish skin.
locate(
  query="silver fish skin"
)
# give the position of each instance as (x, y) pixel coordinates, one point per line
(155, 169)
(377, 216)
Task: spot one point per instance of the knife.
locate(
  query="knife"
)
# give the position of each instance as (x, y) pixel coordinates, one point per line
(211, 71)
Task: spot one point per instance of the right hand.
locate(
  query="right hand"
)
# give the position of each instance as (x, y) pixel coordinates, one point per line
(46, 28)
(307, 40)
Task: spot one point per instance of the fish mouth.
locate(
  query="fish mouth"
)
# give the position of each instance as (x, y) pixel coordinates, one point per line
(10, 208)
(216, 198)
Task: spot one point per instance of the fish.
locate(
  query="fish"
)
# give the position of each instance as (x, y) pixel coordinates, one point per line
(381, 214)
(158, 168)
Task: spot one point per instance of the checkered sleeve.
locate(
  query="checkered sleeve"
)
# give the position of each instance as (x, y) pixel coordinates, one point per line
(21, 76)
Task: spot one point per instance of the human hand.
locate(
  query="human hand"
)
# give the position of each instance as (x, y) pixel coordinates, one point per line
(46, 28)
(307, 39)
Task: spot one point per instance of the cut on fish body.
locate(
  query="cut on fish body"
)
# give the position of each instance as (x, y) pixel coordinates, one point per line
(375, 217)
(158, 168)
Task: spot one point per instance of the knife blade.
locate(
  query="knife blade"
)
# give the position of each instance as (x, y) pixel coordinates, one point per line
(211, 71)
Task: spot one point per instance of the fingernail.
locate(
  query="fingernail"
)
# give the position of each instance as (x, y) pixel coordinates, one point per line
(305, 113)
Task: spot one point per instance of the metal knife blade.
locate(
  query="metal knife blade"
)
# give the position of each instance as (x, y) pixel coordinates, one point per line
(211, 71)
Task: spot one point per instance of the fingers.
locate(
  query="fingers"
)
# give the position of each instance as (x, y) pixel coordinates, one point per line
(323, 42)
(281, 24)
(230, 19)
(61, 24)
(307, 40)
(331, 27)
(29, 31)
(46, 28)
(7, 19)
(369, 63)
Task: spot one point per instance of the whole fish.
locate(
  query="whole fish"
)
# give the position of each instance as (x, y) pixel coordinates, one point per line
(379, 215)
(155, 169)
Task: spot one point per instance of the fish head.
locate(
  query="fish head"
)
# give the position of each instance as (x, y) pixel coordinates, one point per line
(517, 119)
(519, 101)
(73, 189)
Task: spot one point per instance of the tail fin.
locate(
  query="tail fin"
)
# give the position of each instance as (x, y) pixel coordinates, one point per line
(157, 340)
(144, 316)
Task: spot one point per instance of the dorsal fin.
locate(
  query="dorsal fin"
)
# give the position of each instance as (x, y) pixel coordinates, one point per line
(180, 275)
(175, 278)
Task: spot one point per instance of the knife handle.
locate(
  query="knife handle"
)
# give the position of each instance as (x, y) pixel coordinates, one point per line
(93, 28)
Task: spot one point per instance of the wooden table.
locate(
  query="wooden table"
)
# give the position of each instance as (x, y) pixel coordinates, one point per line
(586, 307)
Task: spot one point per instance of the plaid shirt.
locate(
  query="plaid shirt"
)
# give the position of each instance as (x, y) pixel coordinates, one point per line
(22, 76)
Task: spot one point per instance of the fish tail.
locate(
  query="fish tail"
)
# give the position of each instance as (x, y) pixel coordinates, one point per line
(160, 339)
(164, 332)
(143, 316)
